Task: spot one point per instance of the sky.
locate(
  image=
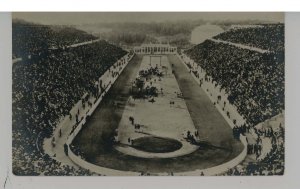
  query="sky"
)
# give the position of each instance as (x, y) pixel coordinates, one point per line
(62, 18)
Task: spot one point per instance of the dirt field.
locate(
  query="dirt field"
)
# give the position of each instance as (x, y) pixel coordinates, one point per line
(219, 144)
(211, 125)
(160, 118)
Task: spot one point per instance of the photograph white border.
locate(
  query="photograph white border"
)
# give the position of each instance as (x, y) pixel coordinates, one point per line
(289, 180)
(153, 5)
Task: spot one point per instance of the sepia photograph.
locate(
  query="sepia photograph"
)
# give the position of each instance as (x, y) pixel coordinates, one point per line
(148, 93)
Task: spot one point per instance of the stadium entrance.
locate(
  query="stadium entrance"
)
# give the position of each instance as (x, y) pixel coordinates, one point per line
(155, 49)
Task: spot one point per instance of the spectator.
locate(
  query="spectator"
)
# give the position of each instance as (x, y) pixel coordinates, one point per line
(254, 82)
(266, 36)
(46, 87)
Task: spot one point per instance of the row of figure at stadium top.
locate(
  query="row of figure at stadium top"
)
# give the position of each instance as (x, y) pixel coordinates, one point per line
(155, 49)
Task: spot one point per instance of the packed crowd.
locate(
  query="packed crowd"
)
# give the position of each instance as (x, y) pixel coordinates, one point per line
(45, 165)
(267, 37)
(272, 163)
(253, 81)
(44, 90)
(32, 39)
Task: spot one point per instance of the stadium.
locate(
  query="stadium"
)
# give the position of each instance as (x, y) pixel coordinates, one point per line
(148, 105)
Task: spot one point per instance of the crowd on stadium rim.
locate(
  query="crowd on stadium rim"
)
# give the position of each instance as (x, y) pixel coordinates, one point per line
(45, 87)
(31, 39)
(49, 81)
(268, 37)
(254, 83)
